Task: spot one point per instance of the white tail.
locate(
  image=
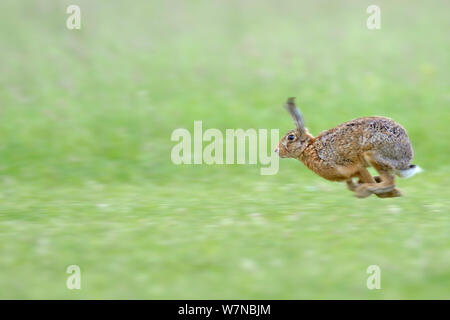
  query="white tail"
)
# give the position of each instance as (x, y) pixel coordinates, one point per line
(412, 170)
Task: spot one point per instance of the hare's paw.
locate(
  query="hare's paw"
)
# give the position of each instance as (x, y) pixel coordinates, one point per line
(362, 191)
(381, 189)
(351, 185)
(391, 194)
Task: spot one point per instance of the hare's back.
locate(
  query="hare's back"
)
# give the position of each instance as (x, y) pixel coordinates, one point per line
(346, 142)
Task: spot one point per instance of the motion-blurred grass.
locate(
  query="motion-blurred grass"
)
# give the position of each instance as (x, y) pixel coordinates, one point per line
(85, 170)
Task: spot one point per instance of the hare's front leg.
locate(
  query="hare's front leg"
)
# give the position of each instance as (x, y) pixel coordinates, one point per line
(363, 177)
(351, 185)
(365, 180)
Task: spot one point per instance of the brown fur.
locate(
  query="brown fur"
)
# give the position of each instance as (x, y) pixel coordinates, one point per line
(344, 152)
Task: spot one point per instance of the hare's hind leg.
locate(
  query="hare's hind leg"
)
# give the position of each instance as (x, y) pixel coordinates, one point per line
(391, 194)
(384, 187)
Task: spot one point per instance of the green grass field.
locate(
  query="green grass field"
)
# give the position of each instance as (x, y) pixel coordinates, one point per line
(86, 176)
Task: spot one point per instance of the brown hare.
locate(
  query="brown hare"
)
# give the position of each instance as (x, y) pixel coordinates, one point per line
(344, 152)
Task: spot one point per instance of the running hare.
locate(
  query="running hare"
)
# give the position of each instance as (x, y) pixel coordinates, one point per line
(345, 152)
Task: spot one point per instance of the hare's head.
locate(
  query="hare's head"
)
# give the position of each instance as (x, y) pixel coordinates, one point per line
(295, 141)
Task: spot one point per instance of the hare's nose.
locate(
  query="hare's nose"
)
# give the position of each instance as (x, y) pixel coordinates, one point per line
(276, 150)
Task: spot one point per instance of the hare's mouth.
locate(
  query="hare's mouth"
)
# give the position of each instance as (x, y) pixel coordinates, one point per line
(281, 153)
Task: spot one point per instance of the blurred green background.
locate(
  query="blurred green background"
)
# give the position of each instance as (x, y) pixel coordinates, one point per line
(85, 171)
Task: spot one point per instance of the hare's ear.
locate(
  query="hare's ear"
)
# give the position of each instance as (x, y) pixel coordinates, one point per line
(295, 114)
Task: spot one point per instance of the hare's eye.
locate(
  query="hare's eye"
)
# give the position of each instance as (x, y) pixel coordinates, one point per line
(291, 137)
